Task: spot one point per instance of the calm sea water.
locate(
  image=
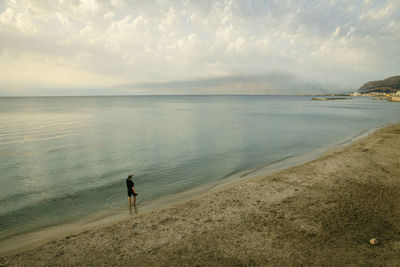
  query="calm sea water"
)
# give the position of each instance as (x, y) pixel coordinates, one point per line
(63, 158)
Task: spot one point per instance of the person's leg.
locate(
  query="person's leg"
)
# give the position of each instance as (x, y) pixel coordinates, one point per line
(129, 200)
(134, 200)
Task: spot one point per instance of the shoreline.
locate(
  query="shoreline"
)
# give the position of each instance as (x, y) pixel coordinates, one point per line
(325, 205)
(318, 213)
(30, 240)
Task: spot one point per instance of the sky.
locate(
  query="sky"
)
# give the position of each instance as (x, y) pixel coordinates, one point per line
(117, 47)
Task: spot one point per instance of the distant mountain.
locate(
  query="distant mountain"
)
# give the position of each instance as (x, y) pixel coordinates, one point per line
(388, 85)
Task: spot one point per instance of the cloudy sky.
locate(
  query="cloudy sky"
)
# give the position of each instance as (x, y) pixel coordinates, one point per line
(89, 47)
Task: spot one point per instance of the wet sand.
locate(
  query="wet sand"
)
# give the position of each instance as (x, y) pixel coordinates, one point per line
(320, 213)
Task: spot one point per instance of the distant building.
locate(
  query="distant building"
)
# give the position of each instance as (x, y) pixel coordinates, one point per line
(376, 94)
(356, 94)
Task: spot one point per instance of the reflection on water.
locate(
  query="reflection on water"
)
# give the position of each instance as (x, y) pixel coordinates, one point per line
(63, 158)
(135, 210)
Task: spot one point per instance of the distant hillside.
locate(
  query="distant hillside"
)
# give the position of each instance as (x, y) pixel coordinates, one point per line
(388, 85)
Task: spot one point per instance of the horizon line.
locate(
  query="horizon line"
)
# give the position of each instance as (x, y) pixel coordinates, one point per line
(32, 96)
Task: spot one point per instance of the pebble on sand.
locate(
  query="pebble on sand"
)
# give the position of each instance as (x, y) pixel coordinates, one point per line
(374, 241)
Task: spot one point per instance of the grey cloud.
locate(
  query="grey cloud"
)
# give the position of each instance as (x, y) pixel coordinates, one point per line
(266, 83)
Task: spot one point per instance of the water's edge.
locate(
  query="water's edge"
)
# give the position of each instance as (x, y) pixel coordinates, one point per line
(29, 240)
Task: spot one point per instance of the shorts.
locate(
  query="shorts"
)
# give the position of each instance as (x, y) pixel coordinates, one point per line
(131, 193)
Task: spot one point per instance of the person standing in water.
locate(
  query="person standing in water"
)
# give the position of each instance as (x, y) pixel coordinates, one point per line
(131, 190)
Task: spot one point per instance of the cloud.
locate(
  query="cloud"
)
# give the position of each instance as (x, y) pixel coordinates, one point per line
(100, 44)
(266, 83)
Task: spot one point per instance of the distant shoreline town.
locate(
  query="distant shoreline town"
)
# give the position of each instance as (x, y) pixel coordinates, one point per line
(393, 97)
(387, 89)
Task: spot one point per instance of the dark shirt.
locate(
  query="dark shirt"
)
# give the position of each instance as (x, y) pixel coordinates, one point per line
(129, 184)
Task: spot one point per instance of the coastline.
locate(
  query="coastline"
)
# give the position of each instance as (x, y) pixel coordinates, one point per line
(29, 240)
(174, 219)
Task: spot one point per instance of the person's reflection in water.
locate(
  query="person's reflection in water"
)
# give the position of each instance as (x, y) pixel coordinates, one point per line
(134, 209)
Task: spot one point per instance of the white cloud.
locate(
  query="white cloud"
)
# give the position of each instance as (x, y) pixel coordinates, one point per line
(7, 16)
(92, 43)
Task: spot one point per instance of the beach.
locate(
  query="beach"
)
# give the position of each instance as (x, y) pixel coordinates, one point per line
(323, 212)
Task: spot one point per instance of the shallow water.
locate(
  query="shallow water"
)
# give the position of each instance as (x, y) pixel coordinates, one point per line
(64, 158)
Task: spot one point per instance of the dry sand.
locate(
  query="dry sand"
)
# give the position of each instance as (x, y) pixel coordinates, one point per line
(320, 213)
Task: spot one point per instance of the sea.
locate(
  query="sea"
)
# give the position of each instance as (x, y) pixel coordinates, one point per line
(64, 159)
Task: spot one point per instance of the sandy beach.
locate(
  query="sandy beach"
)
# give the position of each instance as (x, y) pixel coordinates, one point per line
(323, 212)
